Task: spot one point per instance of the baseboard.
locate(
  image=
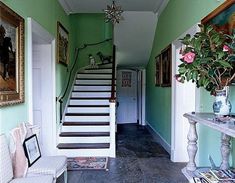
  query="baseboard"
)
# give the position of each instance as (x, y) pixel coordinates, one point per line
(158, 138)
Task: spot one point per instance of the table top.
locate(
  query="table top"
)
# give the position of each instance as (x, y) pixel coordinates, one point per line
(225, 125)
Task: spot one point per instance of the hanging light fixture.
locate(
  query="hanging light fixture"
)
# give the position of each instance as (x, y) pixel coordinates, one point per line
(113, 13)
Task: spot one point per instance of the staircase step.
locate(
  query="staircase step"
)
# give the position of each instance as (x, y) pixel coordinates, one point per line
(92, 94)
(89, 109)
(83, 145)
(87, 114)
(98, 73)
(84, 134)
(86, 127)
(91, 87)
(89, 101)
(93, 81)
(83, 78)
(85, 123)
(99, 70)
(95, 98)
(95, 75)
(88, 105)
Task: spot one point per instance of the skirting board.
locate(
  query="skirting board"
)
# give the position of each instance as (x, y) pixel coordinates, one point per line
(158, 138)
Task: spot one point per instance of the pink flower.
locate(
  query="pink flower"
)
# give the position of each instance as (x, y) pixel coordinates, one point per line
(226, 48)
(189, 57)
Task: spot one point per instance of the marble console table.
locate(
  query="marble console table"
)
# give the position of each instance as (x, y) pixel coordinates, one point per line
(227, 130)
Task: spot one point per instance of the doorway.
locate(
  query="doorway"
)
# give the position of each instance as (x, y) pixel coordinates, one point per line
(131, 96)
(41, 72)
(181, 93)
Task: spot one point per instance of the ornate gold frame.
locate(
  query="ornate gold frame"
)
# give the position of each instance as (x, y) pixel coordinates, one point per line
(16, 21)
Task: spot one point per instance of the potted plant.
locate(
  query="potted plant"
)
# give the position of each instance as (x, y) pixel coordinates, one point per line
(207, 60)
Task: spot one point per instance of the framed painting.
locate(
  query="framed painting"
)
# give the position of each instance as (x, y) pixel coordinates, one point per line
(11, 57)
(223, 17)
(166, 67)
(158, 71)
(62, 44)
(31, 149)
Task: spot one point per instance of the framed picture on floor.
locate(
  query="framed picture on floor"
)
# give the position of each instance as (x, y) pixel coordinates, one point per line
(31, 148)
(166, 67)
(11, 57)
(62, 44)
(158, 71)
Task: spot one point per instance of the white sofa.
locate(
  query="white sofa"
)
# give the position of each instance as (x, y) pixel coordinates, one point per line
(6, 170)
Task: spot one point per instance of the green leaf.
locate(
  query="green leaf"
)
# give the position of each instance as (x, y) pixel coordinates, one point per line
(225, 64)
(182, 70)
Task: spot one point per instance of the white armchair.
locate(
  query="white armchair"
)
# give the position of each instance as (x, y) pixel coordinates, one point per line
(6, 170)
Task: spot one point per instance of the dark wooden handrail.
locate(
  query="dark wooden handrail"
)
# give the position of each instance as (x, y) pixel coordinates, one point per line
(61, 96)
(112, 99)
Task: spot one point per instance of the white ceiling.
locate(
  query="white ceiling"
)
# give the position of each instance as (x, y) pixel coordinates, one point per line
(134, 35)
(96, 6)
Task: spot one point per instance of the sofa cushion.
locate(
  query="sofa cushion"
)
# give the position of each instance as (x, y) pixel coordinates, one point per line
(6, 173)
(38, 179)
(53, 165)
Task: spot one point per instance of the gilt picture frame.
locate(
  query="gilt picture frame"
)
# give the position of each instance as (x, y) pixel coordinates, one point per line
(62, 44)
(222, 18)
(11, 57)
(158, 70)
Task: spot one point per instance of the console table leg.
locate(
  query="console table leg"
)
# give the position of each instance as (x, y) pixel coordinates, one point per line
(192, 146)
(225, 151)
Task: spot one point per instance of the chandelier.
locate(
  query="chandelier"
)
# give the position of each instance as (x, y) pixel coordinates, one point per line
(113, 13)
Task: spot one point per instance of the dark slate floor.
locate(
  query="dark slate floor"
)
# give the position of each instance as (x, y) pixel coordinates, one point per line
(139, 160)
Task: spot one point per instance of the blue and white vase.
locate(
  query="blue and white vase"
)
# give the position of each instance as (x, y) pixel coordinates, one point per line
(222, 105)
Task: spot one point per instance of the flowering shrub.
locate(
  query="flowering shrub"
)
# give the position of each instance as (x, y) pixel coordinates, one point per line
(207, 59)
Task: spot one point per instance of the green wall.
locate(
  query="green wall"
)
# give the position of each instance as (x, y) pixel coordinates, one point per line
(83, 28)
(46, 13)
(177, 18)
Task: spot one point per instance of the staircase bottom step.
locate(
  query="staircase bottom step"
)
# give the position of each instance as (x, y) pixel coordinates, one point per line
(83, 145)
(84, 152)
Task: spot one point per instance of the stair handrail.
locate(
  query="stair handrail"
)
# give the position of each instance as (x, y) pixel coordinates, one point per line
(112, 99)
(61, 96)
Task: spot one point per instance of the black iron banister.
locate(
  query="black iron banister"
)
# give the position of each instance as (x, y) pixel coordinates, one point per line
(77, 50)
(112, 99)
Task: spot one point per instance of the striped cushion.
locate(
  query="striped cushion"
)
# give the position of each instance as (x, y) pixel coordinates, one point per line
(39, 179)
(6, 172)
(53, 165)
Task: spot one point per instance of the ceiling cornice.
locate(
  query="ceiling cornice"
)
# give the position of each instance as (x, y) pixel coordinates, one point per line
(65, 7)
(162, 7)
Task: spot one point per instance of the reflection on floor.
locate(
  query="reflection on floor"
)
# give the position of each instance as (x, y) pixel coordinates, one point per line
(139, 160)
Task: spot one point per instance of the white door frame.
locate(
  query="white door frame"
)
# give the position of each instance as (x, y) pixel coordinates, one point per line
(34, 28)
(185, 98)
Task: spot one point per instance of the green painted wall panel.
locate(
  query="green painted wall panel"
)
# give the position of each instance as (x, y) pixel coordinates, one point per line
(177, 18)
(46, 13)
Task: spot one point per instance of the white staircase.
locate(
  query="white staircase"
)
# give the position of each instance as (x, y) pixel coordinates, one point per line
(86, 128)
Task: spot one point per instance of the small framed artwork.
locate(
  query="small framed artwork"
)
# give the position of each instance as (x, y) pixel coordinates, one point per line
(158, 70)
(32, 150)
(222, 18)
(166, 67)
(62, 44)
(11, 57)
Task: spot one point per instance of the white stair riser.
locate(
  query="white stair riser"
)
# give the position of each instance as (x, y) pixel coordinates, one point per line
(84, 152)
(87, 75)
(88, 109)
(92, 88)
(89, 102)
(84, 139)
(98, 71)
(91, 94)
(93, 81)
(85, 128)
(87, 118)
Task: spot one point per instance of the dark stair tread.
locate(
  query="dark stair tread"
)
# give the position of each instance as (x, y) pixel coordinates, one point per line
(88, 105)
(93, 98)
(105, 79)
(84, 134)
(87, 114)
(98, 73)
(98, 68)
(85, 123)
(92, 91)
(93, 84)
(83, 145)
